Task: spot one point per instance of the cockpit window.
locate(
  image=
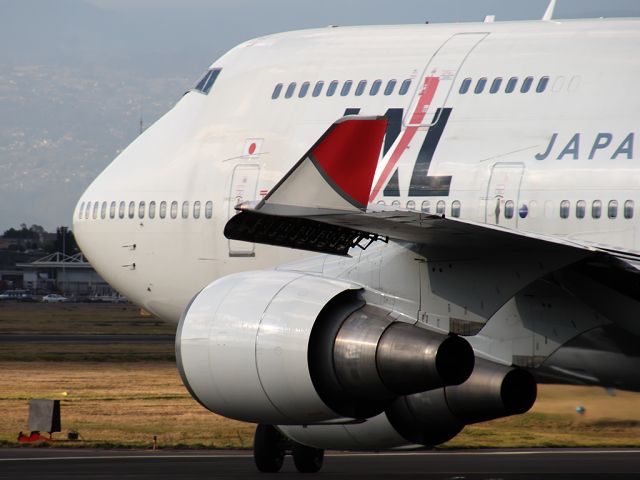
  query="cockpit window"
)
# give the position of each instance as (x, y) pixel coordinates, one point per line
(206, 82)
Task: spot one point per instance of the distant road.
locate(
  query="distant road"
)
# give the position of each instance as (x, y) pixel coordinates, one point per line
(545, 464)
(85, 339)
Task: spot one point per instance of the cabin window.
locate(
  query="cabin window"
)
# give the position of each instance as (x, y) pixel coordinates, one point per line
(612, 209)
(480, 85)
(581, 207)
(141, 209)
(163, 209)
(290, 89)
(464, 86)
(196, 209)
(391, 85)
(87, 211)
(152, 209)
(455, 208)
(276, 91)
(96, 205)
(558, 84)
(185, 209)
(332, 88)
(565, 206)
(103, 210)
(208, 209)
(346, 88)
(174, 209)
(596, 209)
(542, 84)
(121, 209)
(304, 88)
(628, 209)
(81, 210)
(404, 88)
(440, 206)
(511, 85)
(495, 85)
(112, 210)
(375, 87)
(411, 205)
(132, 209)
(317, 90)
(362, 85)
(509, 207)
(526, 84)
(426, 206)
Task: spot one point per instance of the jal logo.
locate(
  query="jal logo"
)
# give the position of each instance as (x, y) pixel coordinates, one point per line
(600, 146)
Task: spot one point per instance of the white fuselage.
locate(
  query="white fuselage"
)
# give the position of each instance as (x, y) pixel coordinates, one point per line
(532, 161)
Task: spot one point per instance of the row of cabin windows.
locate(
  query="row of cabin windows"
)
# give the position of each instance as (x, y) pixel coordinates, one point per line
(345, 89)
(425, 207)
(509, 208)
(97, 210)
(509, 86)
(596, 209)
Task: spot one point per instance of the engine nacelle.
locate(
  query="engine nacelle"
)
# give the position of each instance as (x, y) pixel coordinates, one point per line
(284, 348)
(241, 346)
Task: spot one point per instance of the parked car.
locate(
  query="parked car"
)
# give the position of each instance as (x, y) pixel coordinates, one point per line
(54, 298)
(17, 295)
(107, 299)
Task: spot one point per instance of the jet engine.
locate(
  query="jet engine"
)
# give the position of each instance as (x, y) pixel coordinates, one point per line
(433, 417)
(288, 348)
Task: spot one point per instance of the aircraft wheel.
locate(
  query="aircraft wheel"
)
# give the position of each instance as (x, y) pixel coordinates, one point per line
(268, 449)
(307, 459)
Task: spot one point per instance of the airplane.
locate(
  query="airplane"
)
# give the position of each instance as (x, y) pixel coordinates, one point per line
(371, 237)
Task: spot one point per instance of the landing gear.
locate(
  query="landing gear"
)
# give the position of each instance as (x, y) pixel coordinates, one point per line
(270, 447)
(307, 459)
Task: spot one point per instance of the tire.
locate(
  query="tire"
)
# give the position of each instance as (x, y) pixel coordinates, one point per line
(268, 449)
(307, 459)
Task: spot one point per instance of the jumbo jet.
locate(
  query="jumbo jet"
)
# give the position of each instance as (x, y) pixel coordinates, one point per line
(371, 237)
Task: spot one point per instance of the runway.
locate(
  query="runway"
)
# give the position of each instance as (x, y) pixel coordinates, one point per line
(448, 465)
(84, 339)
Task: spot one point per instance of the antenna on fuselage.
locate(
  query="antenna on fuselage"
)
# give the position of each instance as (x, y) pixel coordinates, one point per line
(548, 14)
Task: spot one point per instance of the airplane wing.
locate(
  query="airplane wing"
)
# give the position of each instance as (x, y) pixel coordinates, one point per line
(321, 205)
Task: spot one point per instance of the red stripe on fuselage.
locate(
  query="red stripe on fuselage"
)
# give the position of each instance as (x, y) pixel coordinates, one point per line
(426, 96)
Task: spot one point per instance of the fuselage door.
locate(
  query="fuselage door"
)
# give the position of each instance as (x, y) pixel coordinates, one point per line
(503, 195)
(244, 184)
(443, 66)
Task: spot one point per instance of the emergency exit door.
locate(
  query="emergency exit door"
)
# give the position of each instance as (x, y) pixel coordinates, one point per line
(503, 194)
(244, 185)
(442, 69)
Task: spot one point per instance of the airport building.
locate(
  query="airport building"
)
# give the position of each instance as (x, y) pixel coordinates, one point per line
(70, 275)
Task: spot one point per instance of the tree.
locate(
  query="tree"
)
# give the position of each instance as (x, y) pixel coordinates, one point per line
(24, 232)
(37, 229)
(65, 242)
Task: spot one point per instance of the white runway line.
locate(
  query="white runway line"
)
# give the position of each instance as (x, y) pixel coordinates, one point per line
(347, 455)
(493, 452)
